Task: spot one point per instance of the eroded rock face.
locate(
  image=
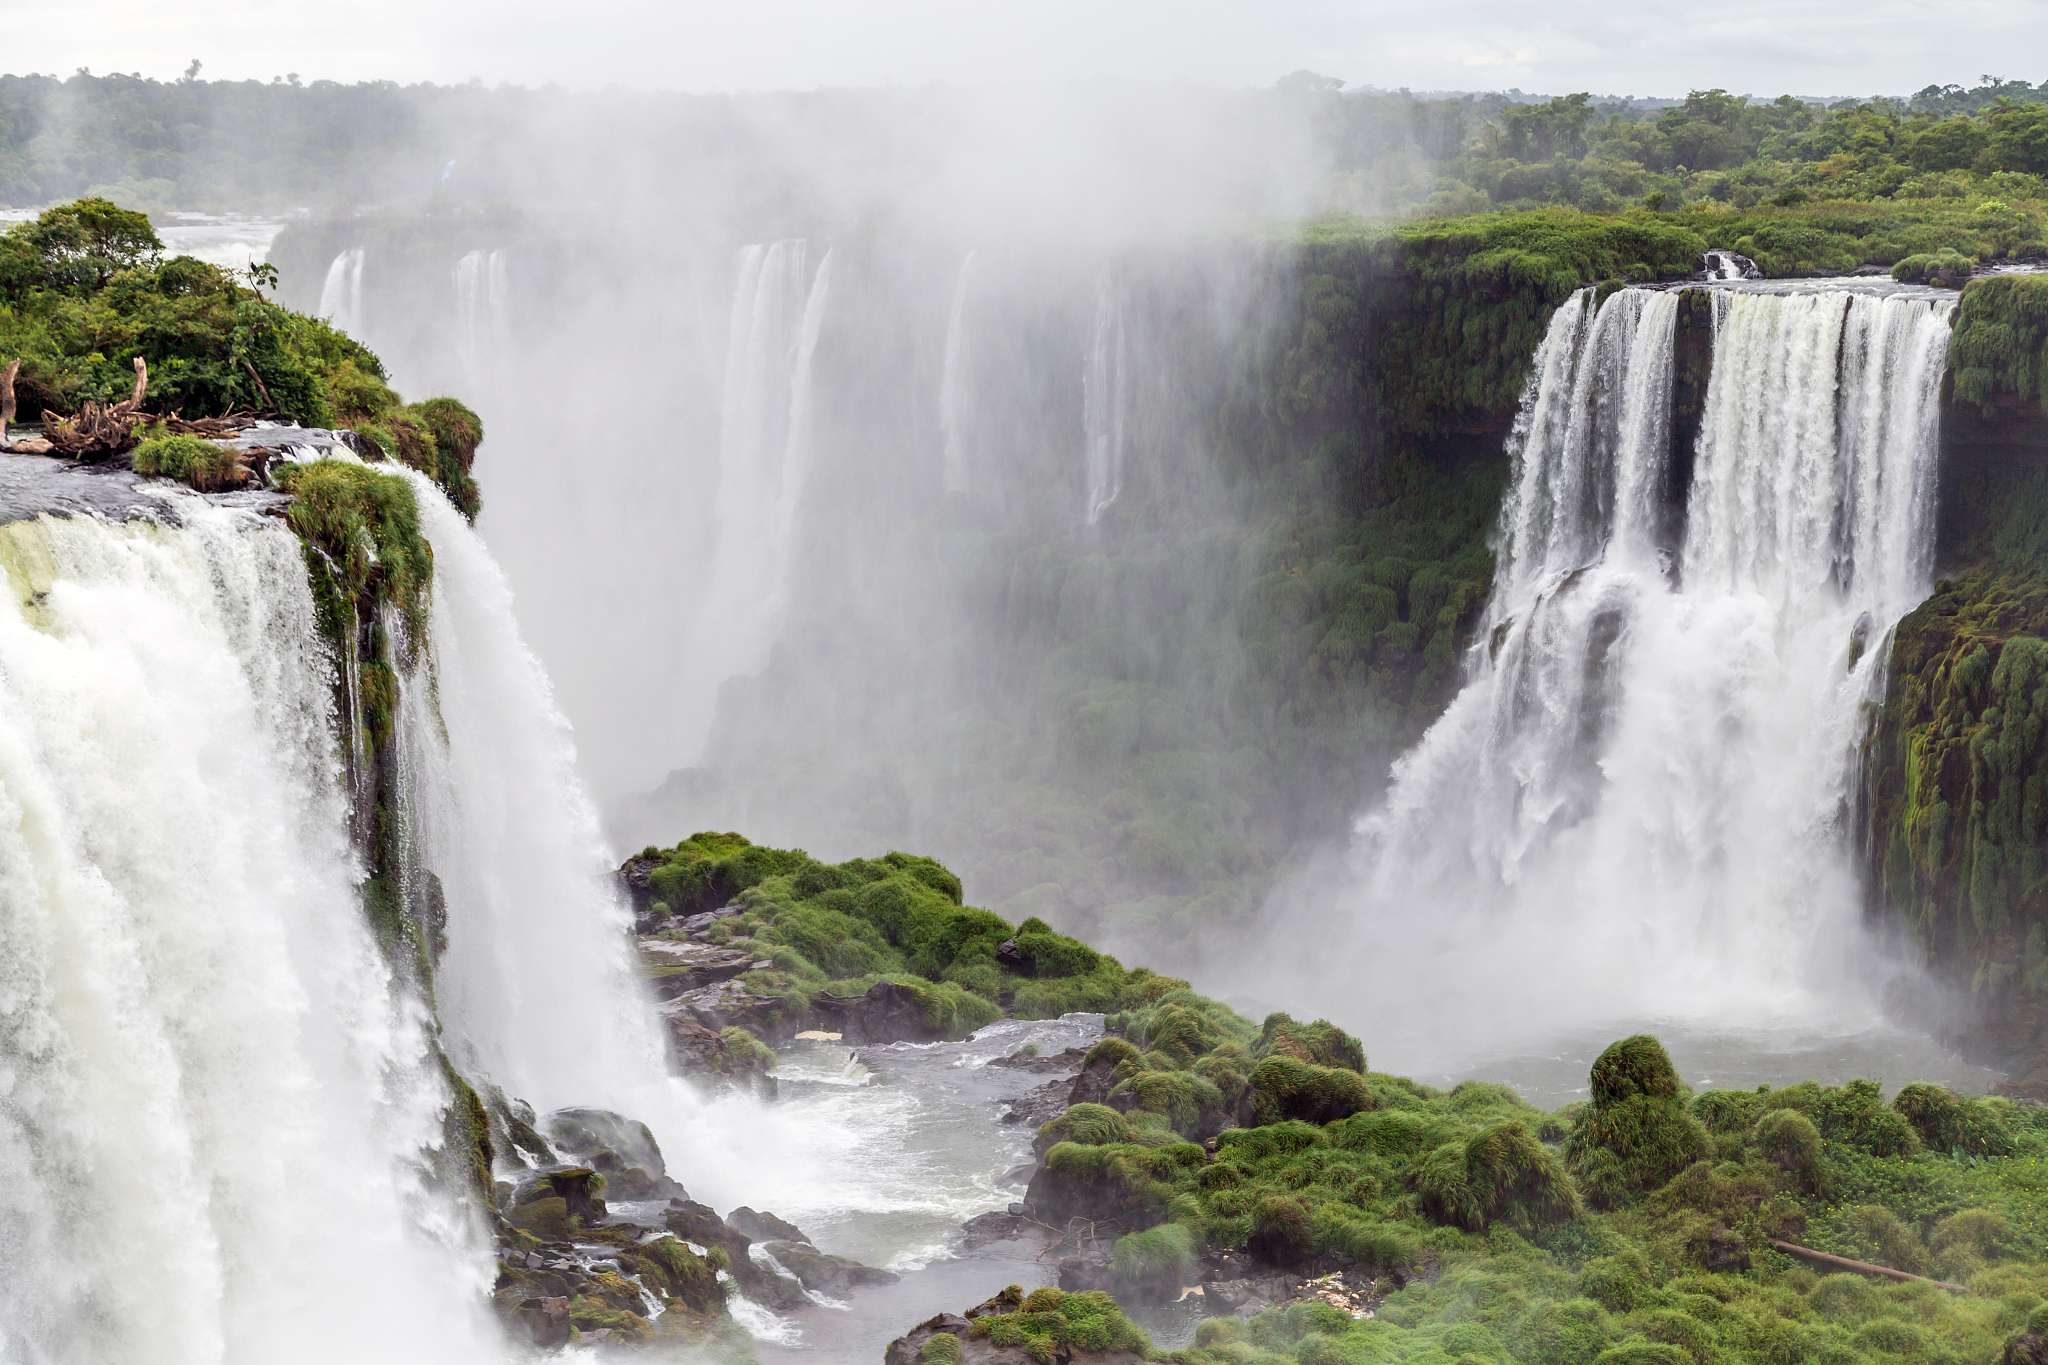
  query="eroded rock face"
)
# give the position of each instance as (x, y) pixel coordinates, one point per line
(887, 1013)
(763, 1227)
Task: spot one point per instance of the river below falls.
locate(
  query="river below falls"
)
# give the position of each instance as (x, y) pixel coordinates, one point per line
(920, 1148)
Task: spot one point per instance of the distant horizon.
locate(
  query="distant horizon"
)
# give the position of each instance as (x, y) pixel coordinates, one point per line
(800, 45)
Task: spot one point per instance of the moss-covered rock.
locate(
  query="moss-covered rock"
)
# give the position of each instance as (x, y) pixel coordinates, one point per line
(1638, 1132)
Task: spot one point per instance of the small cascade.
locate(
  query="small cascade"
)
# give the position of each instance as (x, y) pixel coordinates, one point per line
(481, 312)
(764, 455)
(1639, 797)
(1103, 406)
(212, 1099)
(341, 293)
(955, 390)
(1728, 265)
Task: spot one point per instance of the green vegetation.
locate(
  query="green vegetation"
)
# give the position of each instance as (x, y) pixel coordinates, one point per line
(844, 928)
(205, 465)
(1633, 1227)
(1049, 1322)
(2000, 345)
(84, 290)
(363, 532)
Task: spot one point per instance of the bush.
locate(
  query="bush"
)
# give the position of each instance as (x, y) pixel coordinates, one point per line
(1166, 1252)
(1948, 1122)
(1502, 1173)
(1637, 1133)
(1092, 1125)
(1789, 1138)
(205, 465)
(1282, 1088)
(1946, 267)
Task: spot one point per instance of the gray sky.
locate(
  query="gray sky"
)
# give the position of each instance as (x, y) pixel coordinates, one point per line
(1810, 47)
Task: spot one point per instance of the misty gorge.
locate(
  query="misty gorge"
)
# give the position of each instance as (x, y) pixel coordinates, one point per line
(978, 722)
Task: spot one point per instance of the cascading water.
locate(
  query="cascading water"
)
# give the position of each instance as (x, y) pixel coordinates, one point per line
(481, 324)
(212, 1100)
(764, 454)
(341, 293)
(1103, 399)
(1636, 804)
(955, 396)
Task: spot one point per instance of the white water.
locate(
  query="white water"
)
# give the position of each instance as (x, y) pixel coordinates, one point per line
(956, 394)
(764, 458)
(341, 293)
(211, 1102)
(1102, 384)
(1635, 808)
(481, 316)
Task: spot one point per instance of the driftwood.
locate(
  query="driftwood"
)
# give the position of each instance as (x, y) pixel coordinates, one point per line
(1860, 1267)
(227, 424)
(100, 430)
(7, 398)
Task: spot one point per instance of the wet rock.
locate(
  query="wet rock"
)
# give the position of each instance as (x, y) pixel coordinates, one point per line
(1068, 1061)
(1094, 1083)
(762, 1227)
(698, 1051)
(908, 1349)
(2025, 1349)
(1056, 1198)
(1725, 1251)
(823, 1273)
(547, 1319)
(675, 967)
(700, 1223)
(887, 1013)
(989, 1228)
(1013, 958)
(730, 1003)
(586, 1132)
(1040, 1105)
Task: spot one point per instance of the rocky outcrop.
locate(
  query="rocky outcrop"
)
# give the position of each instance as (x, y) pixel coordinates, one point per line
(887, 1013)
(823, 1273)
(950, 1339)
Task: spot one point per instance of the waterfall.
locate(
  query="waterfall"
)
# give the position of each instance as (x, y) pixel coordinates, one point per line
(1102, 386)
(480, 315)
(1639, 797)
(764, 458)
(211, 1100)
(954, 391)
(341, 293)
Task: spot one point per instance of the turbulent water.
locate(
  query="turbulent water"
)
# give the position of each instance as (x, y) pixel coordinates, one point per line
(211, 1102)
(1635, 809)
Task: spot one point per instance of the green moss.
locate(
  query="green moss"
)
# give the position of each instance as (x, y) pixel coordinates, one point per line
(1166, 1252)
(941, 1348)
(2000, 343)
(367, 525)
(1500, 1174)
(1051, 1319)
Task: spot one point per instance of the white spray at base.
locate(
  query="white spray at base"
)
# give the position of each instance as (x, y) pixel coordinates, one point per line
(537, 990)
(211, 1102)
(1636, 808)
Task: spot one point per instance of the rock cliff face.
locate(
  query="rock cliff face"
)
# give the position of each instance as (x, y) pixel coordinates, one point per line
(1956, 767)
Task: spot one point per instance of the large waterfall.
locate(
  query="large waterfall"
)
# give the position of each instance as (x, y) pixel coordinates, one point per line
(1637, 803)
(212, 1102)
(1103, 407)
(341, 293)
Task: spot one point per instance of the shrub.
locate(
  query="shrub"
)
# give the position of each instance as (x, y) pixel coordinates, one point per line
(1501, 1173)
(1947, 267)
(1091, 1124)
(1282, 1088)
(1949, 1122)
(1166, 1252)
(205, 465)
(367, 525)
(941, 1348)
(1637, 1133)
(1049, 1319)
(1321, 1043)
(1789, 1138)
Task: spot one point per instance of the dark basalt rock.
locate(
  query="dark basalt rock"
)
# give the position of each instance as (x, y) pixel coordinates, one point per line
(1094, 1083)
(730, 1003)
(1012, 958)
(823, 1273)
(763, 1227)
(547, 1319)
(1067, 1061)
(677, 968)
(2025, 1349)
(700, 1223)
(1041, 1105)
(887, 1013)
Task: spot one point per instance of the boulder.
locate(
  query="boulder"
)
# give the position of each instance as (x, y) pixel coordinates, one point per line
(762, 1227)
(701, 1224)
(823, 1273)
(675, 967)
(887, 1013)
(586, 1132)
(728, 1003)
(1094, 1083)
(547, 1319)
(1068, 1061)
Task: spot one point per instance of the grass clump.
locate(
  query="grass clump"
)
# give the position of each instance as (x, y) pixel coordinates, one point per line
(205, 465)
(366, 525)
(1637, 1133)
(1051, 1319)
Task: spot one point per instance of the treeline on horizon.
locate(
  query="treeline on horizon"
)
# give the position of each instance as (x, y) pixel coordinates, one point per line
(250, 145)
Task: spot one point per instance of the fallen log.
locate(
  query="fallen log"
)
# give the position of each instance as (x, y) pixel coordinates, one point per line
(1860, 1267)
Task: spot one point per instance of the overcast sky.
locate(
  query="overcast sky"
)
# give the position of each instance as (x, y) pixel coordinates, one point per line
(1641, 47)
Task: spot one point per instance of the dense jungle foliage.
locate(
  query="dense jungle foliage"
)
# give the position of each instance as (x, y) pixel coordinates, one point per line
(85, 288)
(1635, 1226)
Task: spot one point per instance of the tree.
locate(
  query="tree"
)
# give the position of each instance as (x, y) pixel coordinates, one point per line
(80, 246)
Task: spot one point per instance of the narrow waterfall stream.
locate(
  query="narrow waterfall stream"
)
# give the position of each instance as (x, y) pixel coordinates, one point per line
(1645, 782)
